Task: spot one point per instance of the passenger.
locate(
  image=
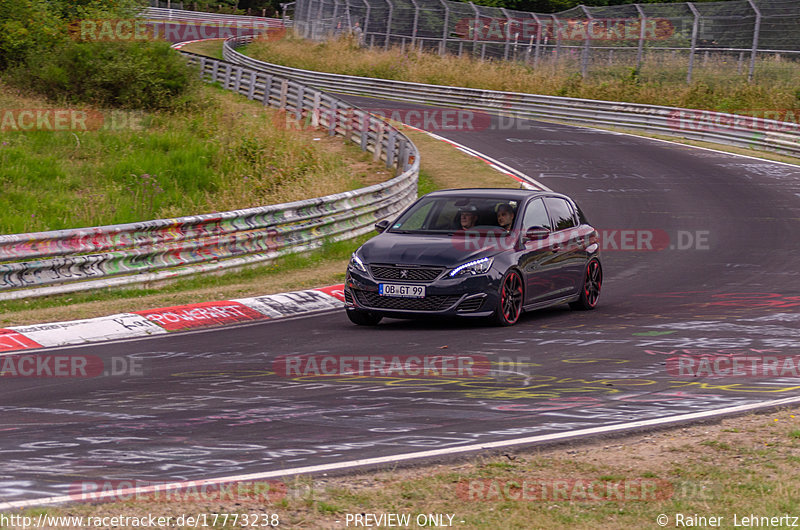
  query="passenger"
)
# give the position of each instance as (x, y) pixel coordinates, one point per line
(505, 216)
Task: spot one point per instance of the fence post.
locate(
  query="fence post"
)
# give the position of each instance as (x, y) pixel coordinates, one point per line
(308, 32)
(251, 89)
(267, 90)
(227, 77)
(445, 32)
(695, 28)
(537, 51)
(475, 28)
(390, 147)
(376, 155)
(416, 22)
(587, 45)
(364, 130)
(556, 29)
(320, 26)
(335, 22)
(507, 32)
(388, 24)
(402, 160)
(347, 15)
(640, 49)
(333, 116)
(237, 83)
(756, 32)
(315, 110)
(284, 92)
(366, 22)
(301, 96)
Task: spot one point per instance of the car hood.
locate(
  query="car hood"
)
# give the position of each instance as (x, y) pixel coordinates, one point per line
(417, 249)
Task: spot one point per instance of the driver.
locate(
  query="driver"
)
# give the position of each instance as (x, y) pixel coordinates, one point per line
(468, 216)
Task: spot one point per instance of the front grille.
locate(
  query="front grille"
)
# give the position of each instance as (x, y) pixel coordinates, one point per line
(348, 297)
(429, 303)
(473, 304)
(412, 274)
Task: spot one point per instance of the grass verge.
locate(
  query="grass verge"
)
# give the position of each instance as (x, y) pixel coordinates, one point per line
(227, 153)
(210, 48)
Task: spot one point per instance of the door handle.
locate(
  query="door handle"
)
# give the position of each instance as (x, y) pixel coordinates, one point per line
(556, 247)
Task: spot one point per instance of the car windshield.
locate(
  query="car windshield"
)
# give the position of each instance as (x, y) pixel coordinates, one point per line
(447, 214)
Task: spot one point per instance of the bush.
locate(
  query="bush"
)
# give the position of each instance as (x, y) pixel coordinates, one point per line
(134, 75)
(26, 25)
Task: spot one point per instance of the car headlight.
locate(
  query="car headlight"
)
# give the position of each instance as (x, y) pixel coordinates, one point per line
(356, 264)
(479, 266)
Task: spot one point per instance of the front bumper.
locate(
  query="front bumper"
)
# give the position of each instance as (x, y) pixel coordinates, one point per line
(472, 296)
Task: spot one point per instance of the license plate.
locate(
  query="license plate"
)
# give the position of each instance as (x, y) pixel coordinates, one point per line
(401, 291)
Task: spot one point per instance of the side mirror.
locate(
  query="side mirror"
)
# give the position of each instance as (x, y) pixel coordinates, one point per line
(536, 233)
(381, 226)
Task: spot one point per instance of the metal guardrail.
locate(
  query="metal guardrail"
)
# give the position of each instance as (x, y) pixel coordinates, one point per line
(156, 13)
(715, 127)
(63, 261)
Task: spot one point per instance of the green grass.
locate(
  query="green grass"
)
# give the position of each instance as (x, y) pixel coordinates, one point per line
(227, 153)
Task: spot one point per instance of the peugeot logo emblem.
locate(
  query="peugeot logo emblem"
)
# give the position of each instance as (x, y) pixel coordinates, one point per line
(403, 273)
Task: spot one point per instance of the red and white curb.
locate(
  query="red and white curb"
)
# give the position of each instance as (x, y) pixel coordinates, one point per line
(168, 319)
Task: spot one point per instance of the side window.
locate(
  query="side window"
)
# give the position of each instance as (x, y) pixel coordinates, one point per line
(535, 216)
(560, 213)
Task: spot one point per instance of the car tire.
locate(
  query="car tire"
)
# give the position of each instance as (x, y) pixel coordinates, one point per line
(509, 306)
(363, 318)
(590, 290)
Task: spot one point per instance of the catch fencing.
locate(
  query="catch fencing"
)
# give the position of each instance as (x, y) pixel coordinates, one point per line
(715, 127)
(735, 32)
(61, 261)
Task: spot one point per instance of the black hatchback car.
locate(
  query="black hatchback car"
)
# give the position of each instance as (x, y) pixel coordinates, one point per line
(477, 253)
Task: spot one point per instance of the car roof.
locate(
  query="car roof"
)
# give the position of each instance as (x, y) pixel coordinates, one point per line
(494, 193)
